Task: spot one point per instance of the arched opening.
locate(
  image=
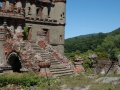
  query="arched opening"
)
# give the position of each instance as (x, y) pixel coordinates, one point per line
(14, 61)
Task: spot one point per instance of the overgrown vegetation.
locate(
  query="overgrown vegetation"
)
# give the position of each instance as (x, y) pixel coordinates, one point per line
(19, 79)
(30, 79)
(25, 33)
(105, 45)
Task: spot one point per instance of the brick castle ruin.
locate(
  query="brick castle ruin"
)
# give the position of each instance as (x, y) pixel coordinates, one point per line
(32, 37)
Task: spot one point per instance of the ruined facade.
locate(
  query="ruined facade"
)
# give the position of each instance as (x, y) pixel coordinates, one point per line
(47, 18)
(32, 37)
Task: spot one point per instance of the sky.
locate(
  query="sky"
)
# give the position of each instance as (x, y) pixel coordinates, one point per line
(91, 16)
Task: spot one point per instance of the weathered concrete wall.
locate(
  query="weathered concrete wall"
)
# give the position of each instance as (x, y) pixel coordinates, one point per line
(57, 35)
(26, 8)
(57, 38)
(35, 28)
(60, 11)
(61, 49)
(1, 51)
(52, 12)
(56, 11)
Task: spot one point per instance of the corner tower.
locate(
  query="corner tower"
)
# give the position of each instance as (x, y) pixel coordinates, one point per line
(60, 10)
(60, 16)
(47, 18)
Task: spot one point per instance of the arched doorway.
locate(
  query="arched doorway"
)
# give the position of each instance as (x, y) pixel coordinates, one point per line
(13, 60)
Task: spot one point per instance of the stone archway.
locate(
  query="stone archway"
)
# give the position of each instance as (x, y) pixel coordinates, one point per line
(14, 60)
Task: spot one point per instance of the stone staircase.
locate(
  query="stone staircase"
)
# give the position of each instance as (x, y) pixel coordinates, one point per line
(57, 68)
(30, 62)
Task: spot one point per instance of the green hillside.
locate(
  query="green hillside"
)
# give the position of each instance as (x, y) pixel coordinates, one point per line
(84, 43)
(88, 35)
(103, 44)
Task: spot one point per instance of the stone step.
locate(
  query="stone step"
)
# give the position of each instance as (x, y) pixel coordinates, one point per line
(44, 54)
(37, 48)
(40, 51)
(24, 70)
(56, 66)
(60, 69)
(55, 63)
(62, 74)
(52, 61)
(32, 41)
(34, 45)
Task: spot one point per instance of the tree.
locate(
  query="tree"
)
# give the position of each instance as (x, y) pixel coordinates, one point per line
(110, 45)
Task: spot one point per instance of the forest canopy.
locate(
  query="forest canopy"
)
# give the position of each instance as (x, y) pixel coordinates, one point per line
(105, 45)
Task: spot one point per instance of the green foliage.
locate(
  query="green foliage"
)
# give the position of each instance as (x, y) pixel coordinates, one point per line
(23, 80)
(106, 46)
(25, 33)
(72, 55)
(83, 44)
(111, 46)
(86, 62)
(27, 79)
(102, 55)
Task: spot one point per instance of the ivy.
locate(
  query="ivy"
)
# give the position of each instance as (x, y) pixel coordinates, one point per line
(25, 33)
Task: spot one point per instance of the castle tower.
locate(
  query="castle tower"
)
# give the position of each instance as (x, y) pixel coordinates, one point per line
(60, 10)
(60, 16)
(49, 19)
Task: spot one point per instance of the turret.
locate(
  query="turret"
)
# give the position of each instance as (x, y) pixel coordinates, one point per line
(60, 11)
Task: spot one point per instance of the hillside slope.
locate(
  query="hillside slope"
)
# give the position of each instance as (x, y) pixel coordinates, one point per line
(84, 43)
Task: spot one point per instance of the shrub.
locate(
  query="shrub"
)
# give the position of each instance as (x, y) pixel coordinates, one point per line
(25, 79)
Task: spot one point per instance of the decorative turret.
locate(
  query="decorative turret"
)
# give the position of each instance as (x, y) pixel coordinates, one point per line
(60, 9)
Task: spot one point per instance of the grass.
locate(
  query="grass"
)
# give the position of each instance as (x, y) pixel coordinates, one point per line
(25, 80)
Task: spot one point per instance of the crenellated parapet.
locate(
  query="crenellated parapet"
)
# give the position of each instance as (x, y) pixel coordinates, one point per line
(12, 8)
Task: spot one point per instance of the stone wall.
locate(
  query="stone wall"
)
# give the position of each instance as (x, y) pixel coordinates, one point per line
(46, 12)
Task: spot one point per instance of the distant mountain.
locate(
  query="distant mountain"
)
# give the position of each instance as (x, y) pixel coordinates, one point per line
(87, 35)
(82, 36)
(87, 42)
(116, 31)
